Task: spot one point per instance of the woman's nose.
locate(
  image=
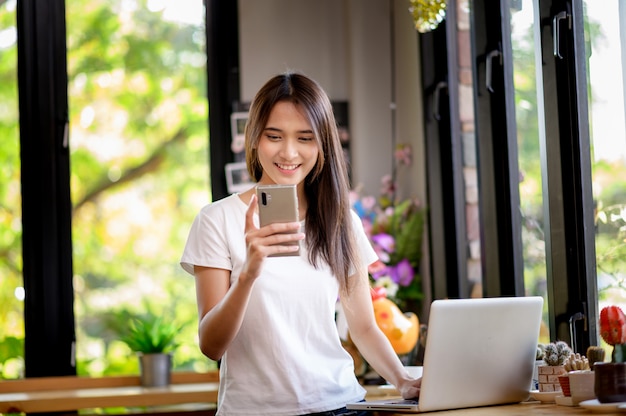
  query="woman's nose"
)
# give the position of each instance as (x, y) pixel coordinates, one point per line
(289, 149)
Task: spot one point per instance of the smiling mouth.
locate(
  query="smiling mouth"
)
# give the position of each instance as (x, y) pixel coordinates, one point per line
(287, 167)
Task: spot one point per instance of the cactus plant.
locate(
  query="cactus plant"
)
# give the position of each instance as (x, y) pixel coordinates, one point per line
(613, 331)
(576, 362)
(595, 354)
(540, 351)
(554, 356)
(556, 353)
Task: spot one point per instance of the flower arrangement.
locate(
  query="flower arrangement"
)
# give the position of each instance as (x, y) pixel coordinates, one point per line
(613, 331)
(395, 229)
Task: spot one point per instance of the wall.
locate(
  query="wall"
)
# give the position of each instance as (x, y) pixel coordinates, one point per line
(346, 46)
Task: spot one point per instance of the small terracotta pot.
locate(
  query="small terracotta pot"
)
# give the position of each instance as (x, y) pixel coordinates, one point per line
(564, 382)
(610, 382)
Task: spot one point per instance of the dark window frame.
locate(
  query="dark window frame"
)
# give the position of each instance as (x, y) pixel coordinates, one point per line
(46, 202)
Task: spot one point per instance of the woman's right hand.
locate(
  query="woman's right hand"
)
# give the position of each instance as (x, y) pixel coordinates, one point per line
(262, 242)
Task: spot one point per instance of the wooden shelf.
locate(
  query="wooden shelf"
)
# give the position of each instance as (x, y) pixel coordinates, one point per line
(60, 394)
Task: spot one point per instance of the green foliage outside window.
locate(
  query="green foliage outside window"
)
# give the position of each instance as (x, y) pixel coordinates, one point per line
(11, 305)
(139, 174)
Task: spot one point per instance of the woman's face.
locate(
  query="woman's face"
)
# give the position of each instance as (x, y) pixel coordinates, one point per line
(287, 149)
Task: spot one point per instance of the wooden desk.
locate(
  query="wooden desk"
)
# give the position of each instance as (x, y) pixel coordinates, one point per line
(521, 409)
(66, 394)
(530, 408)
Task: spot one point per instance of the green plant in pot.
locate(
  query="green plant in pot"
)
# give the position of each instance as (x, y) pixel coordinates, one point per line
(153, 338)
(610, 378)
(555, 355)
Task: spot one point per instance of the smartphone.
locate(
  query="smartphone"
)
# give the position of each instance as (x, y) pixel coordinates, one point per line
(278, 203)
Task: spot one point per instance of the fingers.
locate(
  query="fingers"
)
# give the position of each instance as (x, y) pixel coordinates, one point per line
(412, 390)
(277, 233)
(275, 238)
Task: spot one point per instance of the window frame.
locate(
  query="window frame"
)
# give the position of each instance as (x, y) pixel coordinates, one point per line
(46, 203)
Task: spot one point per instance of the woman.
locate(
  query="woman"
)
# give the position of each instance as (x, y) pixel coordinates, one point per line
(271, 319)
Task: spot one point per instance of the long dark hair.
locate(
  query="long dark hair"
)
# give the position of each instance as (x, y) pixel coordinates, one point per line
(329, 231)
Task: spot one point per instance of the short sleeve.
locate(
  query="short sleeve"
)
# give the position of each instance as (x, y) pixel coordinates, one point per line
(207, 244)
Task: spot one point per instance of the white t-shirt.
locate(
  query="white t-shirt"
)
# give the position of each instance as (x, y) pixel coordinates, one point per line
(287, 358)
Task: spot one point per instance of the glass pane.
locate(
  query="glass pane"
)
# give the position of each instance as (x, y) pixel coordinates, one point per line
(605, 24)
(139, 160)
(11, 282)
(529, 160)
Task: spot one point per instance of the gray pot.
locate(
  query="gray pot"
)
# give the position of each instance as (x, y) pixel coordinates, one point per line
(155, 369)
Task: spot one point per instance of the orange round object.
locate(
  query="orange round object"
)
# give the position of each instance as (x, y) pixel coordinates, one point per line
(402, 329)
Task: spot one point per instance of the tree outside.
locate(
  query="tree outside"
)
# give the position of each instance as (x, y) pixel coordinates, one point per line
(11, 286)
(139, 174)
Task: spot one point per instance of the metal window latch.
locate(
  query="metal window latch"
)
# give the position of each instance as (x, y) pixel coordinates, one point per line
(441, 85)
(66, 135)
(578, 316)
(489, 68)
(556, 24)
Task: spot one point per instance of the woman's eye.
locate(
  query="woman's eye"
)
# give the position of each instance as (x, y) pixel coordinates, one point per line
(272, 137)
(306, 139)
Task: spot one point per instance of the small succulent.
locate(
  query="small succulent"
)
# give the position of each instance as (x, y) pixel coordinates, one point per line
(556, 353)
(595, 354)
(540, 351)
(576, 362)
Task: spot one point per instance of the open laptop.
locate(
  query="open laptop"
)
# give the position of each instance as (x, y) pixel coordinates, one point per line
(479, 352)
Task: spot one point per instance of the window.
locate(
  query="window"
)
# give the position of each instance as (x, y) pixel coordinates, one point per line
(11, 286)
(135, 73)
(605, 26)
(139, 172)
(529, 153)
(547, 67)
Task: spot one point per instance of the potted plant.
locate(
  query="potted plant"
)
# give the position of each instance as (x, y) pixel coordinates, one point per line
(534, 383)
(554, 356)
(575, 362)
(610, 378)
(579, 380)
(595, 354)
(153, 338)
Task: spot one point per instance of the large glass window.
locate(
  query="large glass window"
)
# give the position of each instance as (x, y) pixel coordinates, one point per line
(529, 158)
(605, 24)
(605, 37)
(139, 157)
(11, 286)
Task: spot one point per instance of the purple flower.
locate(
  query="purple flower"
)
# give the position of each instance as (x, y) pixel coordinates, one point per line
(377, 269)
(384, 272)
(402, 273)
(385, 241)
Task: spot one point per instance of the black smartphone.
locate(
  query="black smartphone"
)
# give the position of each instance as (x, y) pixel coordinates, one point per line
(278, 203)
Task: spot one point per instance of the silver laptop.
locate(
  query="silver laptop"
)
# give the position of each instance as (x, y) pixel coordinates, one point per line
(479, 352)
